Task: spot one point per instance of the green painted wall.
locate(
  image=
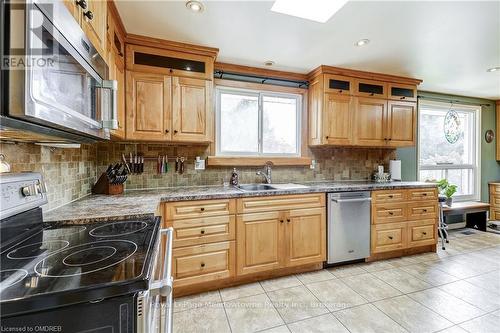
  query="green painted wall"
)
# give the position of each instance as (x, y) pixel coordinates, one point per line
(490, 168)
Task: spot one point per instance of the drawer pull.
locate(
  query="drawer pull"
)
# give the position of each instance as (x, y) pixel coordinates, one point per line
(391, 213)
(202, 209)
(202, 232)
(391, 196)
(424, 194)
(424, 233)
(202, 265)
(424, 210)
(390, 237)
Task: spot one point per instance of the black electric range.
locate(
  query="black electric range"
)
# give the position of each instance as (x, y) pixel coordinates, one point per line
(51, 274)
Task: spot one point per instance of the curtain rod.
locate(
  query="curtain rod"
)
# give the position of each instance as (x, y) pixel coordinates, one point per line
(454, 101)
(263, 79)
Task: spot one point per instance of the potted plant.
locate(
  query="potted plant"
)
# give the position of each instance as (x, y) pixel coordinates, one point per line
(447, 189)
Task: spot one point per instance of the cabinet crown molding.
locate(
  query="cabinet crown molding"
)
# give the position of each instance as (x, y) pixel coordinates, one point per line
(323, 69)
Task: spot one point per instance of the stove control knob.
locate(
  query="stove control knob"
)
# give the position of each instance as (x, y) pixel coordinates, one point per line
(28, 191)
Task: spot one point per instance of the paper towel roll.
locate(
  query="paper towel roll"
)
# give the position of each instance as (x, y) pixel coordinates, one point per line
(395, 169)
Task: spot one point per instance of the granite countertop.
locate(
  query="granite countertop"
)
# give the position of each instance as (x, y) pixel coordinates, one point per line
(143, 203)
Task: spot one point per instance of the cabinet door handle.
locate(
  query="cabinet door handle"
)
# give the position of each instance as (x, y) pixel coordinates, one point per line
(202, 209)
(175, 131)
(202, 232)
(82, 3)
(390, 237)
(326, 137)
(281, 221)
(424, 194)
(391, 213)
(89, 14)
(403, 97)
(340, 91)
(424, 233)
(288, 220)
(424, 210)
(202, 265)
(166, 131)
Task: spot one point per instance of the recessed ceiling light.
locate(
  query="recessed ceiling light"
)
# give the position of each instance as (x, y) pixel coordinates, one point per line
(195, 6)
(493, 69)
(269, 63)
(362, 42)
(315, 10)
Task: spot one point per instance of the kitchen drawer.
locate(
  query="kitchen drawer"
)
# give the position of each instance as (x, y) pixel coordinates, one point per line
(390, 212)
(388, 237)
(200, 208)
(203, 230)
(423, 194)
(423, 210)
(388, 196)
(281, 202)
(203, 263)
(422, 233)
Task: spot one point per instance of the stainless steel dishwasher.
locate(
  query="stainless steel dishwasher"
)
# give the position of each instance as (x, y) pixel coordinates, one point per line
(348, 226)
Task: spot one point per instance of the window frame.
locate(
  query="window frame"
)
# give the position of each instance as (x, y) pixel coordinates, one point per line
(475, 147)
(261, 94)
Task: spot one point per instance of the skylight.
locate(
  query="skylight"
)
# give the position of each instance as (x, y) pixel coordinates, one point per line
(315, 10)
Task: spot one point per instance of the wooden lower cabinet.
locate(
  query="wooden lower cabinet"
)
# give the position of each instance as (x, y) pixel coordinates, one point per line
(280, 239)
(495, 198)
(403, 219)
(260, 242)
(305, 236)
(203, 263)
(220, 242)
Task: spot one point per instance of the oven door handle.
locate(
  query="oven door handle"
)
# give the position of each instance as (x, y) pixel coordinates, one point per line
(164, 285)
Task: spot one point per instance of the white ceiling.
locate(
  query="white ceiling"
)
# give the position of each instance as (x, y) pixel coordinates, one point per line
(447, 44)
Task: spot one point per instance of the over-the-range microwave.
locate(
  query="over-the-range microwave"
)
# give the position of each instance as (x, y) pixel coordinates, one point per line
(53, 80)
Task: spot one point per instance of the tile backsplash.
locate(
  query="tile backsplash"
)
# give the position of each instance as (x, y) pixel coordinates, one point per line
(70, 173)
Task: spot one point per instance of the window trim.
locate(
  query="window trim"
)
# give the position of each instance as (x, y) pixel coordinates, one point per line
(261, 94)
(476, 109)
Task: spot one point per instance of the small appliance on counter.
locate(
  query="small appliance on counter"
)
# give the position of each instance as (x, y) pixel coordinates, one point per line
(108, 277)
(380, 176)
(395, 169)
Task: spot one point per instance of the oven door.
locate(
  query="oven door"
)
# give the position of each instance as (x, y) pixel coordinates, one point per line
(63, 78)
(155, 306)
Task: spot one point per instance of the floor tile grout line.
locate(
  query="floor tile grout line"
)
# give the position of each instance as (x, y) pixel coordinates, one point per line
(225, 312)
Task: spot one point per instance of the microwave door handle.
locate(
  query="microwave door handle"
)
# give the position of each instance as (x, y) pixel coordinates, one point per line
(112, 122)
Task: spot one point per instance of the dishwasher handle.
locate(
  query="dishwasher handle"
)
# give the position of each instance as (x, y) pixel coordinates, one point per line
(351, 200)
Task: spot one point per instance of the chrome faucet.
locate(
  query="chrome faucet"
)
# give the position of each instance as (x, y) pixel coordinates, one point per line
(267, 172)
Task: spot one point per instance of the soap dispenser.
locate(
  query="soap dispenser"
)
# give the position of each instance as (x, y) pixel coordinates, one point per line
(234, 177)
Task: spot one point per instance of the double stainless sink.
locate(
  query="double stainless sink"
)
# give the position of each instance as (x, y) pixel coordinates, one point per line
(269, 187)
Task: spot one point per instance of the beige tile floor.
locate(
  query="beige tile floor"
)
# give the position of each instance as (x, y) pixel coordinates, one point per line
(456, 290)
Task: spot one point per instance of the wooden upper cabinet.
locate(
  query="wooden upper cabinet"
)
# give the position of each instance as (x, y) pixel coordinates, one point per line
(370, 122)
(93, 22)
(401, 123)
(155, 60)
(191, 108)
(117, 72)
(340, 85)
(259, 240)
(74, 9)
(305, 236)
(337, 119)
(148, 107)
(315, 110)
(370, 88)
(402, 92)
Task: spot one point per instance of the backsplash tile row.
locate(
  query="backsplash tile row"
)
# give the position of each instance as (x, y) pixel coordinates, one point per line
(70, 173)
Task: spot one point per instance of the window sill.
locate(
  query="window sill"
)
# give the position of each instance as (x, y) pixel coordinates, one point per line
(257, 161)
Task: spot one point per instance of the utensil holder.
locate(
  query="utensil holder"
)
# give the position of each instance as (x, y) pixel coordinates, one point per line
(102, 186)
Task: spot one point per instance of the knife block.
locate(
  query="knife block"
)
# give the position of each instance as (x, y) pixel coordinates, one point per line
(102, 186)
